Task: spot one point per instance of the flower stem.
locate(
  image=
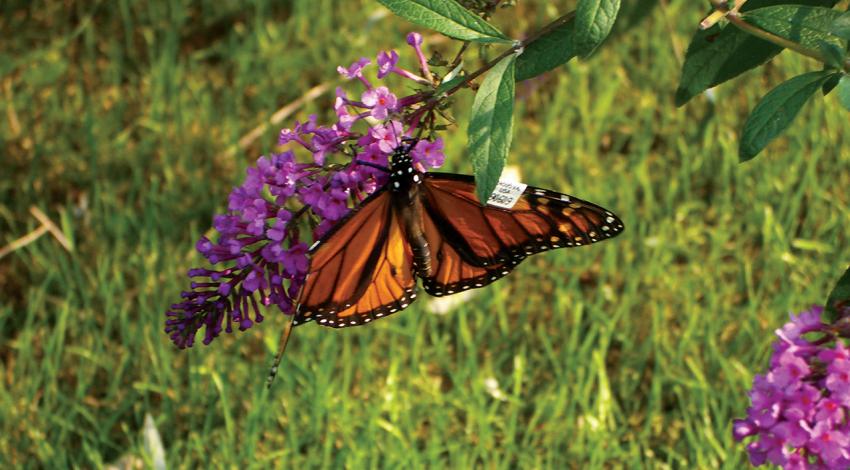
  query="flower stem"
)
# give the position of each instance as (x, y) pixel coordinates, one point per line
(459, 55)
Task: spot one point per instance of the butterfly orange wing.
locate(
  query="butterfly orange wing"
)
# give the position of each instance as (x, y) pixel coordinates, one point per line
(472, 246)
(451, 273)
(361, 270)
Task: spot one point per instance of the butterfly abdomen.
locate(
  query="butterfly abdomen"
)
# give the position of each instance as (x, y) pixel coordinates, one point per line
(410, 214)
(421, 258)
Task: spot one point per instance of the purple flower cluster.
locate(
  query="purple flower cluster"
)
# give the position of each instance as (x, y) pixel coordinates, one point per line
(799, 411)
(261, 254)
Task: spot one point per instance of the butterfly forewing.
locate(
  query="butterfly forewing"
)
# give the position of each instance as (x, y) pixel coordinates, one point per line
(580, 222)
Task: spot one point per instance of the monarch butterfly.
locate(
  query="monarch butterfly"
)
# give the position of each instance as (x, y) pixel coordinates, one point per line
(431, 226)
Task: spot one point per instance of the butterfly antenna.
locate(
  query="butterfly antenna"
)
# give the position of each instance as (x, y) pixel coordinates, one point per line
(373, 165)
(395, 136)
(281, 347)
(401, 140)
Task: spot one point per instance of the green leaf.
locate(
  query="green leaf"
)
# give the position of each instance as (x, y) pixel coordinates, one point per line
(777, 110)
(844, 91)
(547, 52)
(447, 17)
(594, 20)
(718, 54)
(840, 294)
(721, 53)
(830, 83)
(841, 26)
(633, 12)
(805, 25)
(834, 54)
(491, 126)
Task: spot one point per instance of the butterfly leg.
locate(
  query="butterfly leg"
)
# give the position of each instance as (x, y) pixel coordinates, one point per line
(284, 339)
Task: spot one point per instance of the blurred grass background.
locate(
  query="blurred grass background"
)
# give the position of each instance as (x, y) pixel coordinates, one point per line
(637, 352)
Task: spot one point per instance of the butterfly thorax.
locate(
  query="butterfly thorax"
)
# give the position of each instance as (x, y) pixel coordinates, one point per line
(404, 178)
(405, 184)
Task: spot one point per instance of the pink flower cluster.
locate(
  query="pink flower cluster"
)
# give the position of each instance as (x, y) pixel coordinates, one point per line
(799, 411)
(261, 251)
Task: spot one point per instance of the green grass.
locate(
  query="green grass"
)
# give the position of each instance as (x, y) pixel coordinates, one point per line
(633, 353)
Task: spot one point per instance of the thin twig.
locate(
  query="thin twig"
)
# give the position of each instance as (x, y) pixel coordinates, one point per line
(459, 55)
(54, 230)
(23, 241)
(47, 225)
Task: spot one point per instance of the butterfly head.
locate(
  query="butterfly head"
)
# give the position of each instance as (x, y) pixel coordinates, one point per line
(403, 176)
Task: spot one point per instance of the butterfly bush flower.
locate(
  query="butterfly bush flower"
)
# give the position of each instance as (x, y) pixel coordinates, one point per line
(381, 101)
(260, 256)
(415, 40)
(798, 418)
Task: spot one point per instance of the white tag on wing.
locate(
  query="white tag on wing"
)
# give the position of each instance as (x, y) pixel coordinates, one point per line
(506, 194)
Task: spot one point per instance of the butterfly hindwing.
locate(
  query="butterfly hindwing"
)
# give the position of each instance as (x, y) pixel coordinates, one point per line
(360, 271)
(450, 271)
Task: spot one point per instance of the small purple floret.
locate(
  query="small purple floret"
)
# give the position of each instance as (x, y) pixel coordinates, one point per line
(429, 154)
(386, 62)
(381, 101)
(354, 70)
(415, 40)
